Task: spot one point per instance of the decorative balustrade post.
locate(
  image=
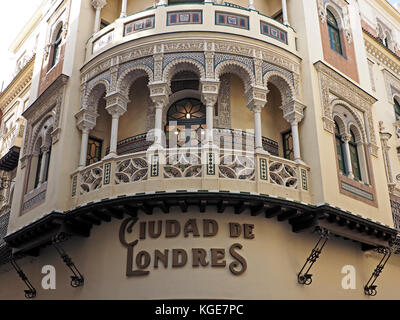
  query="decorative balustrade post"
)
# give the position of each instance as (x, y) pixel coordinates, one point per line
(346, 138)
(98, 5)
(116, 104)
(86, 121)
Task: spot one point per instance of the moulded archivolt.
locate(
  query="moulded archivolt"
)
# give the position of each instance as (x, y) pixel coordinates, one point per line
(335, 87)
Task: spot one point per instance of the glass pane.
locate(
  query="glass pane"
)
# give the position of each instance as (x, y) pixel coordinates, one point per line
(355, 161)
(94, 151)
(339, 150)
(288, 146)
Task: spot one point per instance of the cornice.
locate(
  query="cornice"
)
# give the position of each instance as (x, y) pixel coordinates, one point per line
(377, 50)
(20, 81)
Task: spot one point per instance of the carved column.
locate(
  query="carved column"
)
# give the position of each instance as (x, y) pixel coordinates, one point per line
(98, 5)
(284, 13)
(346, 138)
(385, 136)
(116, 104)
(159, 94)
(293, 113)
(209, 96)
(86, 121)
(123, 9)
(256, 100)
(44, 150)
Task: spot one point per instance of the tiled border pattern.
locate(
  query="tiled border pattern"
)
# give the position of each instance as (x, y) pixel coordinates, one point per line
(155, 165)
(74, 184)
(103, 40)
(139, 25)
(231, 20)
(357, 191)
(35, 200)
(184, 17)
(263, 169)
(107, 173)
(273, 32)
(210, 164)
(304, 183)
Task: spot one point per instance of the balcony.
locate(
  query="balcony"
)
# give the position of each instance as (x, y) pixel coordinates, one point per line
(202, 168)
(208, 17)
(11, 143)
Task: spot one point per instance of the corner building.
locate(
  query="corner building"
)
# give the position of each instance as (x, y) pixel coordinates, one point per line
(178, 150)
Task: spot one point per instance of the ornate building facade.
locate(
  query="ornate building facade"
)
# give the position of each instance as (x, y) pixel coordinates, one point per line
(203, 150)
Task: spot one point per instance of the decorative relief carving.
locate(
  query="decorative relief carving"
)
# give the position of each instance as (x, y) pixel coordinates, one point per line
(334, 87)
(47, 105)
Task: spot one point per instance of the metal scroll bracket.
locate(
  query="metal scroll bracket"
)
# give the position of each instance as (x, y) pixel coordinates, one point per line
(370, 287)
(304, 277)
(77, 278)
(31, 292)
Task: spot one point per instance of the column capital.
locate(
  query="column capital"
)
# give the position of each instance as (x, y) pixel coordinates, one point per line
(256, 97)
(98, 4)
(116, 104)
(293, 111)
(346, 137)
(85, 119)
(159, 93)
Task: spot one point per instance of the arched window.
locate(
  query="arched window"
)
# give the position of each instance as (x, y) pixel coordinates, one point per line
(186, 121)
(354, 157)
(56, 49)
(339, 149)
(397, 109)
(334, 33)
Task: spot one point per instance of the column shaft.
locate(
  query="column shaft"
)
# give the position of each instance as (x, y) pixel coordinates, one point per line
(284, 13)
(257, 130)
(348, 159)
(42, 167)
(84, 146)
(296, 140)
(97, 20)
(209, 122)
(158, 125)
(114, 134)
(123, 9)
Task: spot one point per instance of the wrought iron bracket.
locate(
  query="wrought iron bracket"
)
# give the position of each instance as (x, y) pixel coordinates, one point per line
(77, 278)
(31, 292)
(370, 287)
(304, 277)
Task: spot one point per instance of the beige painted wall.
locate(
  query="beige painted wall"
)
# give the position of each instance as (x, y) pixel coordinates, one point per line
(133, 121)
(274, 257)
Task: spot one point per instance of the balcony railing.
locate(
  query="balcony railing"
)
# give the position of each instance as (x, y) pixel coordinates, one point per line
(207, 17)
(190, 168)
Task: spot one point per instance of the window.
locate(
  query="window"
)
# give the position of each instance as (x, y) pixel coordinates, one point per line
(56, 49)
(334, 33)
(94, 150)
(339, 149)
(355, 161)
(288, 145)
(397, 109)
(188, 117)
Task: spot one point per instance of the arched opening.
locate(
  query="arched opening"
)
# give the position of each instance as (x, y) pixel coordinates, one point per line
(334, 33)
(276, 131)
(56, 48)
(186, 121)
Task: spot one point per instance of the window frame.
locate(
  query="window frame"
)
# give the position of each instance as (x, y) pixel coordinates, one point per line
(287, 153)
(339, 146)
(335, 39)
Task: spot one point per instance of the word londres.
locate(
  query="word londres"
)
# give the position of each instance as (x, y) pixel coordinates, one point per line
(214, 257)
